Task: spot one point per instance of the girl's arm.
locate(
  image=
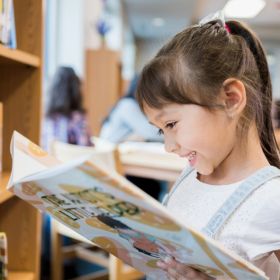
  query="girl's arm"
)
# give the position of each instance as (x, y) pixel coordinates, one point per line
(277, 253)
(133, 118)
(178, 271)
(270, 264)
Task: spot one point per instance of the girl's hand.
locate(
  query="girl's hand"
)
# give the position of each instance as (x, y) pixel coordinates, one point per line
(179, 271)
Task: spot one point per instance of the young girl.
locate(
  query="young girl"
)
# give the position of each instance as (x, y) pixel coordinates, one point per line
(209, 92)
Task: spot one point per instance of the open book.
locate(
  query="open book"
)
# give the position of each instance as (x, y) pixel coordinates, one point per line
(116, 215)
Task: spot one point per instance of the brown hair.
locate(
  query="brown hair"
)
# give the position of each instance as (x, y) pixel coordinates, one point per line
(191, 69)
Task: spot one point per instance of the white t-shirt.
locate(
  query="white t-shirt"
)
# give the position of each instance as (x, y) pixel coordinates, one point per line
(252, 230)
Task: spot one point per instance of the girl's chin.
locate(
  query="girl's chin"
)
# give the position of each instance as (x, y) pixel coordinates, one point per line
(204, 171)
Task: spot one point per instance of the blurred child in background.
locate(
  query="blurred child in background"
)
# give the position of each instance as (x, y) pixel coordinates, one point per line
(65, 117)
(127, 122)
(65, 121)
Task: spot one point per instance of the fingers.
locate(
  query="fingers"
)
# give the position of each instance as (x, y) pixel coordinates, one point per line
(179, 271)
(182, 269)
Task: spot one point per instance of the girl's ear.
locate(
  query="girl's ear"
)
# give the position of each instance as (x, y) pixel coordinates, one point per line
(233, 97)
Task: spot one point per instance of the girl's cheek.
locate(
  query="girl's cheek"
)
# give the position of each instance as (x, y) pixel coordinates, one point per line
(187, 139)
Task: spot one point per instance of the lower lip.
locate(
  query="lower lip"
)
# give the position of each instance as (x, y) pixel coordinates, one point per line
(192, 161)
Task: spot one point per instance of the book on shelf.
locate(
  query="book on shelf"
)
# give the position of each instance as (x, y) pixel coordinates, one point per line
(116, 215)
(7, 24)
(3, 256)
(1, 133)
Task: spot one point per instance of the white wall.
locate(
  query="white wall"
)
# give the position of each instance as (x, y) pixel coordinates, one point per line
(92, 10)
(64, 35)
(70, 40)
(70, 30)
(273, 48)
(50, 48)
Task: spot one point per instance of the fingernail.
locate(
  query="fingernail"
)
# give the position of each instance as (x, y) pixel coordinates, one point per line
(168, 259)
(160, 264)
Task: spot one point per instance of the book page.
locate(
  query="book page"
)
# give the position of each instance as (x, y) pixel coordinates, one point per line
(117, 216)
(140, 153)
(28, 158)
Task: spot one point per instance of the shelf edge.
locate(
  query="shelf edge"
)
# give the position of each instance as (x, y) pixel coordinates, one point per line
(4, 193)
(19, 56)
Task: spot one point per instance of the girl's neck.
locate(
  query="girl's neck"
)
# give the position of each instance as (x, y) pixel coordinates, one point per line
(241, 162)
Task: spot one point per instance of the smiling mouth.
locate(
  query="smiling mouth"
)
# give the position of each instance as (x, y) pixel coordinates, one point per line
(191, 156)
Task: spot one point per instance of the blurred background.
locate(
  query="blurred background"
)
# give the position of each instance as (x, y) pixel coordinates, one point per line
(108, 41)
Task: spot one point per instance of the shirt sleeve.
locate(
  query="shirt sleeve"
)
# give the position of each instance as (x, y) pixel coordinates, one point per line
(133, 117)
(126, 119)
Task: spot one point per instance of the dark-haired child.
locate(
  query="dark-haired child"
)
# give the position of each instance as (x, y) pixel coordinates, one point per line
(208, 90)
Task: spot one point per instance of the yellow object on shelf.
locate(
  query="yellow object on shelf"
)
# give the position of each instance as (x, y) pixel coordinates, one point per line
(3, 256)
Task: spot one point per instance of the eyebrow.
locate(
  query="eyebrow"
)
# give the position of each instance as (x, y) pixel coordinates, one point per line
(160, 115)
(152, 123)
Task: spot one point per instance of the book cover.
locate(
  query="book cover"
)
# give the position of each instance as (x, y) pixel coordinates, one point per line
(117, 216)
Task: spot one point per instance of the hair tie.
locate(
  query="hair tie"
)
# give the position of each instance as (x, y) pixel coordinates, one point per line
(227, 28)
(219, 15)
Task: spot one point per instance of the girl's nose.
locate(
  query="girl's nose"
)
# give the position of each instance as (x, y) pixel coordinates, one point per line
(170, 145)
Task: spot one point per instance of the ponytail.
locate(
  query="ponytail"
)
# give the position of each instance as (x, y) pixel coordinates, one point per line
(265, 129)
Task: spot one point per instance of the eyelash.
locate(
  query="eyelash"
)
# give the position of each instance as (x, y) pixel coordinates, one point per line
(168, 126)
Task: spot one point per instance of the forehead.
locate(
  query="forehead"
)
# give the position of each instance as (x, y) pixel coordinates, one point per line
(154, 114)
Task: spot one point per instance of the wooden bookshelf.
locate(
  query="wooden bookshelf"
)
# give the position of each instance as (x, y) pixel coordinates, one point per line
(10, 56)
(4, 193)
(16, 275)
(20, 95)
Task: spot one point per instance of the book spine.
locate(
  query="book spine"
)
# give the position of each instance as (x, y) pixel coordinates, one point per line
(5, 25)
(8, 31)
(12, 38)
(1, 133)
(1, 19)
(3, 256)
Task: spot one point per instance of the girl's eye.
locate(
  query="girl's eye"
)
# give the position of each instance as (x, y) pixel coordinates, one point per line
(168, 126)
(160, 132)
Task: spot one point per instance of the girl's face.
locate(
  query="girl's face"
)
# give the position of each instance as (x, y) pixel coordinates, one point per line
(205, 138)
